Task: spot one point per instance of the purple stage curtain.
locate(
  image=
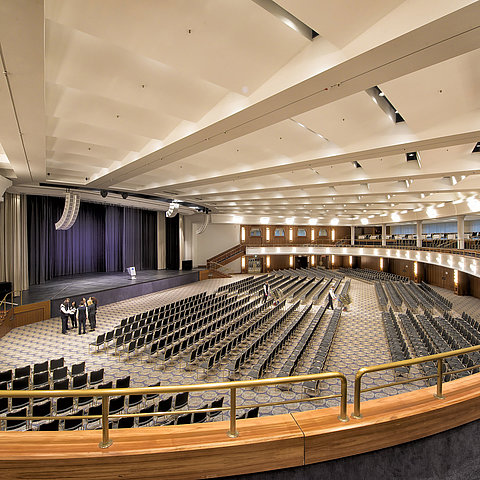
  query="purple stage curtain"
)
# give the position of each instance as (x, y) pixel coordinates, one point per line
(104, 238)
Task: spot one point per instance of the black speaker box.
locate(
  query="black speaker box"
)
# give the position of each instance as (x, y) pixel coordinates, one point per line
(186, 265)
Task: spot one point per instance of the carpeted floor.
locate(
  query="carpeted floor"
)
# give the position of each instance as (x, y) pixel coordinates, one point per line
(360, 341)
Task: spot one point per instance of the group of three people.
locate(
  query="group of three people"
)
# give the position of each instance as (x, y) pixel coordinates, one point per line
(79, 314)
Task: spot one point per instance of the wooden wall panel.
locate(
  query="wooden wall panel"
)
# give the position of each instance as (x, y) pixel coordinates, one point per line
(439, 276)
(25, 315)
(32, 313)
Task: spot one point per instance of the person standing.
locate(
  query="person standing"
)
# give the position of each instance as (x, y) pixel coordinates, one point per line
(91, 314)
(82, 317)
(331, 298)
(73, 313)
(64, 314)
(266, 291)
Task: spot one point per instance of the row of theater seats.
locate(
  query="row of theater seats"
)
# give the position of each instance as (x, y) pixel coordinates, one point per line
(396, 341)
(271, 352)
(368, 274)
(232, 330)
(53, 374)
(207, 332)
(131, 336)
(428, 335)
(143, 406)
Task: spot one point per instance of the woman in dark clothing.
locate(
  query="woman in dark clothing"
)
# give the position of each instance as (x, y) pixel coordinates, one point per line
(92, 314)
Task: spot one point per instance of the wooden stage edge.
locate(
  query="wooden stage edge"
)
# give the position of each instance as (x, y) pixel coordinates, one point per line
(266, 443)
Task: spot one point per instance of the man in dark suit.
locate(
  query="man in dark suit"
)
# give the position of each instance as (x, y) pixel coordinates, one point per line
(64, 314)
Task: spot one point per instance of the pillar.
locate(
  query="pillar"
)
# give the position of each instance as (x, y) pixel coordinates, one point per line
(384, 235)
(461, 232)
(352, 234)
(419, 233)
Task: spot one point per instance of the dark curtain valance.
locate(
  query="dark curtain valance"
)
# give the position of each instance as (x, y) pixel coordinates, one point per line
(105, 238)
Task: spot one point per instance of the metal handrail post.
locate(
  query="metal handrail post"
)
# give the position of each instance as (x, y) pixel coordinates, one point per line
(343, 417)
(439, 393)
(106, 441)
(233, 432)
(356, 395)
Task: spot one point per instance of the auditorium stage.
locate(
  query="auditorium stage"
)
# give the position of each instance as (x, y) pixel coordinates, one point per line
(106, 287)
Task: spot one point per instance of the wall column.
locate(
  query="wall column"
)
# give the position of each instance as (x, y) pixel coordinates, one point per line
(181, 241)
(461, 232)
(384, 234)
(14, 242)
(419, 233)
(352, 234)
(161, 241)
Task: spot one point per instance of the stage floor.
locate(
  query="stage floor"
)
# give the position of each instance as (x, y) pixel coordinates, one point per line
(107, 287)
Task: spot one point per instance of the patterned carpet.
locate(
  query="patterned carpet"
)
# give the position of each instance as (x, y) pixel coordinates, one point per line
(360, 341)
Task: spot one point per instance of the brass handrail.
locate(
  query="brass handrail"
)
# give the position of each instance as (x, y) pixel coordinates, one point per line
(404, 363)
(4, 302)
(105, 394)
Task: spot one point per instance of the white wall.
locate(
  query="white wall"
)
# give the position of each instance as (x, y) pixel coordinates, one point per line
(214, 240)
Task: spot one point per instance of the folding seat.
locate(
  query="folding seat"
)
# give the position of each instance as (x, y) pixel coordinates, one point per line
(123, 382)
(95, 410)
(56, 363)
(216, 404)
(23, 371)
(105, 386)
(184, 419)
(119, 341)
(16, 424)
(77, 369)
(79, 381)
(98, 342)
(126, 422)
(181, 400)
(22, 383)
(62, 384)
(146, 420)
(6, 376)
(40, 379)
(133, 401)
(64, 404)
(116, 405)
(96, 377)
(74, 423)
(40, 367)
(140, 343)
(109, 337)
(59, 374)
(49, 426)
(131, 348)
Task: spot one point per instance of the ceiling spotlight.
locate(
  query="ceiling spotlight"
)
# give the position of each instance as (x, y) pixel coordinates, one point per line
(356, 164)
(334, 221)
(411, 156)
(476, 148)
(104, 193)
(124, 195)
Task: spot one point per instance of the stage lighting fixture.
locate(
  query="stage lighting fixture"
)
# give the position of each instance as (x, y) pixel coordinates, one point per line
(70, 211)
(124, 195)
(104, 193)
(172, 210)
